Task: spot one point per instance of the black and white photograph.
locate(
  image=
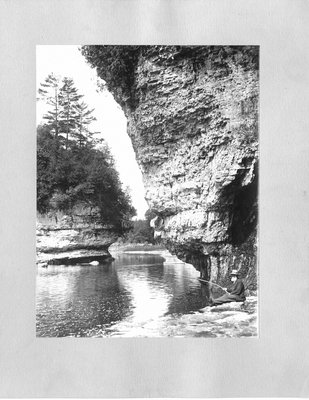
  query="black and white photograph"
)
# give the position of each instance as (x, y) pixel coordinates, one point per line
(154, 230)
(147, 191)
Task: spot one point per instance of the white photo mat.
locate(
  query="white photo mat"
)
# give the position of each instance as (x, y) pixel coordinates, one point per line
(274, 365)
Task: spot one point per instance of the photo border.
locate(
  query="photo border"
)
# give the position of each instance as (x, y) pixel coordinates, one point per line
(276, 364)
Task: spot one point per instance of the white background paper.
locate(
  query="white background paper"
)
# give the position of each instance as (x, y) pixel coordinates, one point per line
(276, 364)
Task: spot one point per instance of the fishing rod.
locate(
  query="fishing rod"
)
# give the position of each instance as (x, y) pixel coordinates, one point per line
(204, 280)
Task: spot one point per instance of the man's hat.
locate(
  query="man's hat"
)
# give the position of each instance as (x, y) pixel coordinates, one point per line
(234, 272)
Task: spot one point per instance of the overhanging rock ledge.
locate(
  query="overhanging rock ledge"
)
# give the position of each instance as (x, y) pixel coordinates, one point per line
(193, 120)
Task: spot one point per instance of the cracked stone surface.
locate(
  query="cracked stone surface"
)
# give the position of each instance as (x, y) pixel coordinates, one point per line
(193, 120)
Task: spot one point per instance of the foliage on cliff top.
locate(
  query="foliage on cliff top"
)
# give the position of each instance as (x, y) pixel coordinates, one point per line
(116, 65)
(74, 168)
(81, 177)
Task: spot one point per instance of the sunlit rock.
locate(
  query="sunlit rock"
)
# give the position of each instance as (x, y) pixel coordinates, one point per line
(72, 239)
(193, 119)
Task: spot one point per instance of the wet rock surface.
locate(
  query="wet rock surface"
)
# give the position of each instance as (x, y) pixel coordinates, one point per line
(228, 320)
(73, 257)
(193, 120)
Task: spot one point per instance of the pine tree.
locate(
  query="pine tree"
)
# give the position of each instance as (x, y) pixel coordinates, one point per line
(69, 117)
(49, 91)
(76, 173)
(84, 119)
(68, 100)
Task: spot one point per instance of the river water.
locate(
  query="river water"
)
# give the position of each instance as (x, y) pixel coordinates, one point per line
(136, 295)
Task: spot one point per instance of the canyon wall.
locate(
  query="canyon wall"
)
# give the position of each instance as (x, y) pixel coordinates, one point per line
(66, 239)
(193, 120)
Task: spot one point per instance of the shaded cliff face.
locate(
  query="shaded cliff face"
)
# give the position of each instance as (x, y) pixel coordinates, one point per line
(193, 120)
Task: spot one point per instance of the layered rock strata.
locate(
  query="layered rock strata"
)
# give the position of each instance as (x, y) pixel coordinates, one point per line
(193, 120)
(68, 240)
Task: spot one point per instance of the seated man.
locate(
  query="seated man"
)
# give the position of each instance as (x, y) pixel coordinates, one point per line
(236, 291)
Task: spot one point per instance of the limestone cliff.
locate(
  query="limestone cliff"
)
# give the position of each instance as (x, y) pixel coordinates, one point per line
(66, 239)
(193, 119)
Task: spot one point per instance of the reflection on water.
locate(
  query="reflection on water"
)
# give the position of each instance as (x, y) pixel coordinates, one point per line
(135, 295)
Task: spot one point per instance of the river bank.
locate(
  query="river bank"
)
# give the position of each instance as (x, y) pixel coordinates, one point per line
(227, 320)
(93, 288)
(231, 320)
(61, 239)
(136, 295)
(123, 246)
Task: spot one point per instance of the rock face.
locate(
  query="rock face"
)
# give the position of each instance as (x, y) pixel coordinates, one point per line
(68, 239)
(193, 119)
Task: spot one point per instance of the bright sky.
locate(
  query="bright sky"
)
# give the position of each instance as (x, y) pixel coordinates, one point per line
(67, 61)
